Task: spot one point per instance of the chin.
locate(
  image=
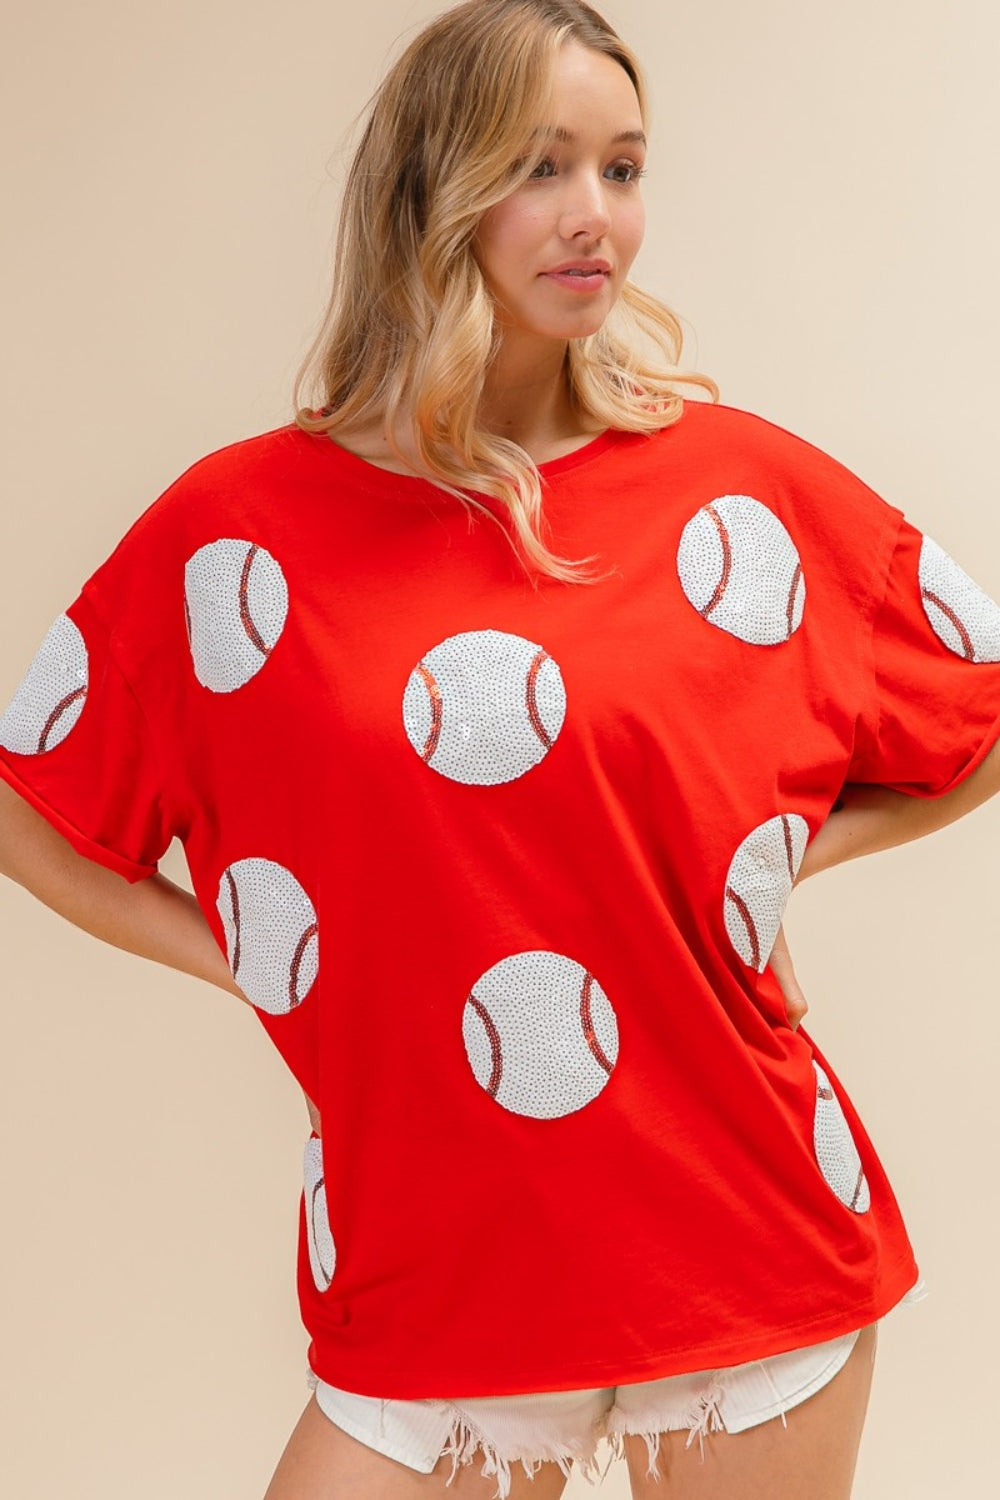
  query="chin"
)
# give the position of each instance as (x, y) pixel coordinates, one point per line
(579, 325)
(582, 326)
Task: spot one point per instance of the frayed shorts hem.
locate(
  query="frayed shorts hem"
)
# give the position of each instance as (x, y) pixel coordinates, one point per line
(566, 1427)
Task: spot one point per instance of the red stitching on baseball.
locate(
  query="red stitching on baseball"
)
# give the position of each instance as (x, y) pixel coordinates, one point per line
(532, 700)
(294, 998)
(315, 1237)
(857, 1190)
(234, 897)
(790, 612)
(789, 851)
(494, 1038)
(587, 1022)
(968, 649)
(57, 714)
(727, 562)
(248, 624)
(437, 711)
(748, 923)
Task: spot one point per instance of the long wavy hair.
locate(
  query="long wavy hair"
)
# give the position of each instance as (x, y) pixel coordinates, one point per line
(410, 332)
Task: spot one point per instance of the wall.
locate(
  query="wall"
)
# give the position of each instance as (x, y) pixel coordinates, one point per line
(823, 214)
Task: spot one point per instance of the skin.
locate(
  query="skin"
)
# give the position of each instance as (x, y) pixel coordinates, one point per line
(584, 203)
(815, 1455)
(577, 206)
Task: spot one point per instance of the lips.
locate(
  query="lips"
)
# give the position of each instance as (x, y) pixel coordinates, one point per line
(578, 283)
(580, 267)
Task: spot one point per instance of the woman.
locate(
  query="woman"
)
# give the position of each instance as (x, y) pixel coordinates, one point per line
(534, 689)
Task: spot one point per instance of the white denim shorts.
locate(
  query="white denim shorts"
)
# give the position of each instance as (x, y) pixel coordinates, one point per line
(566, 1427)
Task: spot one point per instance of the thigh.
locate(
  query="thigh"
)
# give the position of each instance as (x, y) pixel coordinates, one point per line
(814, 1455)
(323, 1462)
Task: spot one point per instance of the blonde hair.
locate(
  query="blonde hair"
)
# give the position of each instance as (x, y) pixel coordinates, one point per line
(410, 322)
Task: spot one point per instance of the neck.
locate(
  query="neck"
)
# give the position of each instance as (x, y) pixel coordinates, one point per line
(526, 396)
(525, 400)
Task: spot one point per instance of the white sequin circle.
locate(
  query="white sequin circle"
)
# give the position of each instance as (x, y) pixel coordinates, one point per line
(540, 1034)
(759, 883)
(836, 1152)
(961, 615)
(484, 707)
(740, 569)
(235, 607)
(272, 937)
(50, 696)
(319, 1236)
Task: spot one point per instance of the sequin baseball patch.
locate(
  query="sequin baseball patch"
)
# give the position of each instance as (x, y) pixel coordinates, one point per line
(484, 707)
(740, 569)
(961, 615)
(836, 1152)
(759, 883)
(49, 699)
(319, 1237)
(272, 936)
(235, 608)
(540, 1034)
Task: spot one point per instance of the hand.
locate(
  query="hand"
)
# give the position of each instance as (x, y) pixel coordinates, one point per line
(781, 963)
(313, 1113)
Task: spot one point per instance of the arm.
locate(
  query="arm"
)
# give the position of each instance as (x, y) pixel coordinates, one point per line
(153, 918)
(870, 818)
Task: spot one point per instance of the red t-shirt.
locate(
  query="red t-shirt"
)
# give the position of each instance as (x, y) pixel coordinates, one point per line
(546, 834)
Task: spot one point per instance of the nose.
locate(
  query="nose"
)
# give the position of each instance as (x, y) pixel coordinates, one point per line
(585, 208)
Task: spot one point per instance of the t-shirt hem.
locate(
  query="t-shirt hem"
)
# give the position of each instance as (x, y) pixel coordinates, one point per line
(81, 842)
(659, 1364)
(912, 789)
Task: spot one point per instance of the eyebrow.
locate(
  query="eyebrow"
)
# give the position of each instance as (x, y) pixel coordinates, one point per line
(557, 133)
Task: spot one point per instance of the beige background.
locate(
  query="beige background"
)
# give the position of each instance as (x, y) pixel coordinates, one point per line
(823, 213)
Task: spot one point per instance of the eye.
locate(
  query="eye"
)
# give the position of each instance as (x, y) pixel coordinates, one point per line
(628, 172)
(631, 171)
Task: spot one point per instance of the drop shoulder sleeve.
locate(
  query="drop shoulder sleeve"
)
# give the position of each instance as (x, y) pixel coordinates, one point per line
(76, 744)
(933, 709)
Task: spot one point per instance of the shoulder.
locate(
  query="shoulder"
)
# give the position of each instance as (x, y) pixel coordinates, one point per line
(740, 452)
(223, 493)
(743, 434)
(226, 478)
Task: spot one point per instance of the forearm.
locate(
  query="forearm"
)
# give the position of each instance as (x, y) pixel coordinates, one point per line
(153, 918)
(871, 818)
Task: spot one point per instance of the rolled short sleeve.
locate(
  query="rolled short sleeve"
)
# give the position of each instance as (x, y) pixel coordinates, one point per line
(76, 744)
(933, 711)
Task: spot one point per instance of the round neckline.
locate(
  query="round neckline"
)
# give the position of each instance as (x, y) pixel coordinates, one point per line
(390, 479)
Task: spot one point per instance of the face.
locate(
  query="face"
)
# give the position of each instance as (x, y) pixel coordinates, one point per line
(582, 204)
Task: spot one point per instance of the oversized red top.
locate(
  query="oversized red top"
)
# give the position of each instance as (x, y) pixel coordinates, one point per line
(501, 868)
